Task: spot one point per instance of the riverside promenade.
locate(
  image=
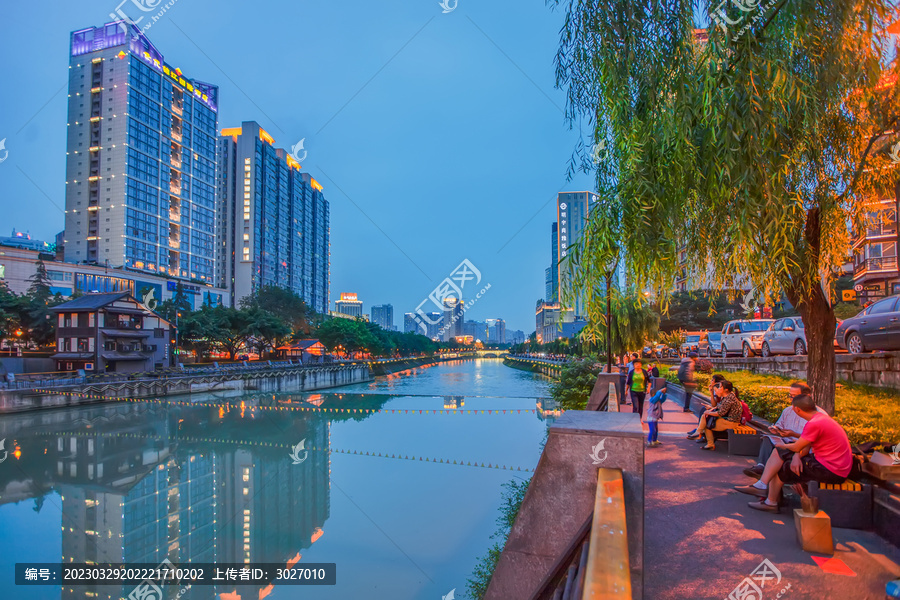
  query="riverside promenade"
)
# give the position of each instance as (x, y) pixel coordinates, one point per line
(701, 539)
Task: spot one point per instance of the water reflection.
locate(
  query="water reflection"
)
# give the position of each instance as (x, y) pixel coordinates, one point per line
(141, 482)
(209, 478)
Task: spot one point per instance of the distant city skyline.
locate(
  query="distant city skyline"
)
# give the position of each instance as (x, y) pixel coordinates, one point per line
(419, 130)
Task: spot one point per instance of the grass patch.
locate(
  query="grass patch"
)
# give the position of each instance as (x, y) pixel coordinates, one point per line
(866, 413)
(511, 501)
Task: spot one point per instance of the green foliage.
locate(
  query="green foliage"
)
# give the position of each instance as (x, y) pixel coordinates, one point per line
(576, 381)
(846, 310)
(510, 503)
(866, 413)
(698, 310)
(744, 156)
(287, 306)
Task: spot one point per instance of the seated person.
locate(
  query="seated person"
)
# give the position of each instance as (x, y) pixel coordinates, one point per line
(652, 369)
(713, 384)
(821, 454)
(789, 426)
(727, 413)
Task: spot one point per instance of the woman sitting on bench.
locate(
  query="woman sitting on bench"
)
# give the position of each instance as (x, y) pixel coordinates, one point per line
(727, 414)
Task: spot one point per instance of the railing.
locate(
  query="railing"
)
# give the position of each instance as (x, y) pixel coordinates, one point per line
(596, 562)
(885, 263)
(162, 376)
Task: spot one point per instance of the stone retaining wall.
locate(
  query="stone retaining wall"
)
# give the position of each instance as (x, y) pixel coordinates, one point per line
(880, 369)
(298, 379)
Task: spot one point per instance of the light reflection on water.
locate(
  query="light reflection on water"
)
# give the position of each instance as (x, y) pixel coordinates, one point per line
(385, 491)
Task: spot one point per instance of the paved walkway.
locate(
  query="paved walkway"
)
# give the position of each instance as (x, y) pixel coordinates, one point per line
(701, 539)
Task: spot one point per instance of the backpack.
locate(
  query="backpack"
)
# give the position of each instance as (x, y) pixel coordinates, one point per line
(683, 371)
(746, 415)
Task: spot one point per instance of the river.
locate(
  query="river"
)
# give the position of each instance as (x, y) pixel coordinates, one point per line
(396, 481)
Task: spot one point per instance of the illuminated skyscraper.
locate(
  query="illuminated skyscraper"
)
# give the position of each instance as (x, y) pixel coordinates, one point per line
(273, 220)
(141, 158)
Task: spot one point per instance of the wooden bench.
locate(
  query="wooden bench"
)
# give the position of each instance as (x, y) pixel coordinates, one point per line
(849, 504)
(744, 440)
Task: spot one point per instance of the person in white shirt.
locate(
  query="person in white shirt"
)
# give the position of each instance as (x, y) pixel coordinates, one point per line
(789, 426)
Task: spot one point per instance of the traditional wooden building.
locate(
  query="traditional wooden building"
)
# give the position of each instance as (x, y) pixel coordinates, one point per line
(104, 333)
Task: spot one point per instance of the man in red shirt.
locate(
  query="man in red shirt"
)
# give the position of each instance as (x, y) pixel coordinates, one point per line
(830, 461)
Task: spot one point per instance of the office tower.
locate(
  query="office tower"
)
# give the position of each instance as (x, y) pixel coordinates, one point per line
(453, 318)
(348, 305)
(140, 158)
(496, 331)
(383, 316)
(573, 210)
(477, 329)
(434, 325)
(551, 274)
(410, 325)
(273, 220)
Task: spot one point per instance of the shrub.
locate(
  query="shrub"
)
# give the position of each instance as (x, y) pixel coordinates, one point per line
(866, 413)
(705, 366)
(576, 381)
(511, 502)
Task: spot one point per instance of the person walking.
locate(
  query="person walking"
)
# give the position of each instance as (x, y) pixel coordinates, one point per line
(686, 378)
(638, 383)
(655, 415)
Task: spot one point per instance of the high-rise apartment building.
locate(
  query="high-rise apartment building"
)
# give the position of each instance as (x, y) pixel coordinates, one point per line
(140, 158)
(383, 316)
(551, 275)
(453, 320)
(273, 220)
(349, 305)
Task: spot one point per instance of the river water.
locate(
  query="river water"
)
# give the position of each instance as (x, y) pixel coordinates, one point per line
(384, 479)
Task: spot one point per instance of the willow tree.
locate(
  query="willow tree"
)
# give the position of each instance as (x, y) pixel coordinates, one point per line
(619, 319)
(753, 153)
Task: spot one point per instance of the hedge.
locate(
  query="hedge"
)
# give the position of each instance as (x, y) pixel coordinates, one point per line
(866, 413)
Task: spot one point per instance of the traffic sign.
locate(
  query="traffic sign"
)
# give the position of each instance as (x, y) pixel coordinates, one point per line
(858, 287)
(849, 295)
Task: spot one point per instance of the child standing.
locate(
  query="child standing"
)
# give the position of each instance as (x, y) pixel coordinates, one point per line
(655, 415)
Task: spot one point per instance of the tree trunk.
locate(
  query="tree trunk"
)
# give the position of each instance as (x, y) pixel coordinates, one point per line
(818, 317)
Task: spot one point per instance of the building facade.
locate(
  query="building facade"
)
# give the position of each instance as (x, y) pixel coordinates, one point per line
(273, 220)
(140, 158)
(553, 322)
(383, 316)
(349, 305)
(551, 274)
(496, 331)
(18, 266)
(874, 250)
(453, 323)
(104, 333)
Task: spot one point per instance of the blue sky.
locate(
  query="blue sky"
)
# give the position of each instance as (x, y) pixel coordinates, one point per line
(437, 137)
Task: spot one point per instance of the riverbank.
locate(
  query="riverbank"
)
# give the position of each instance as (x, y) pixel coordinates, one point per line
(535, 365)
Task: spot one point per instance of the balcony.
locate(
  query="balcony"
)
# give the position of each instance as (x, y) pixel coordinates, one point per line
(884, 264)
(176, 135)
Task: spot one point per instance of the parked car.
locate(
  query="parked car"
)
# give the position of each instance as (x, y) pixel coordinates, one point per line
(711, 345)
(875, 328)
(785, 336)
(743, 336)
(691, 343)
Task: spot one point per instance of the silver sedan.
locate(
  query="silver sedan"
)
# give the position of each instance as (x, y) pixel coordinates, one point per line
(785, 336)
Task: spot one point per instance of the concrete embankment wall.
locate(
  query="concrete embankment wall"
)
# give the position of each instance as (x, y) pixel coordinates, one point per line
(396, 366)
(880, 369)
(535, 366)
(561, 496)
(298, 379)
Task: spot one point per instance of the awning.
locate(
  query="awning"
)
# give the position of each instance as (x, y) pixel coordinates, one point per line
(73, 356)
